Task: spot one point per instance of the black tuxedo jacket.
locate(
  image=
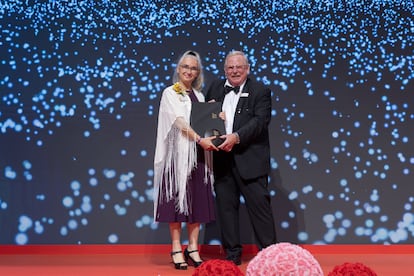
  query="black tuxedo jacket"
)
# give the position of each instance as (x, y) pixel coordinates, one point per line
(251, 121)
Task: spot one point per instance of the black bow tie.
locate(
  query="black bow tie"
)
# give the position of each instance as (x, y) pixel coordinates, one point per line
(229, 88)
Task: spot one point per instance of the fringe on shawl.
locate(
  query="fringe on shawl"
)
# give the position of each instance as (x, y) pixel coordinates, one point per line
(208, 169)
(171, 175)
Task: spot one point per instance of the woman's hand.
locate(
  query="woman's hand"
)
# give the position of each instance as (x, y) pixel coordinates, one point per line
(207, 143)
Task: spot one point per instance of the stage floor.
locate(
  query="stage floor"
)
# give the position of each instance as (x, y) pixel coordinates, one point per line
(145, 260)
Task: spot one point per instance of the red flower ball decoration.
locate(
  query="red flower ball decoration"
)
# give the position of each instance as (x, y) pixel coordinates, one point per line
(217, 267)
(284, 259)
(352, 269)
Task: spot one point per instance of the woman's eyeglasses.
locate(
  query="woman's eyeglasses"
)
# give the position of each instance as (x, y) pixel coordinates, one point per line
(188, 68)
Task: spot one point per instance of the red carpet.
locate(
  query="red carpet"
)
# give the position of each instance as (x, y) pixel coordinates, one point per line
(145, 260)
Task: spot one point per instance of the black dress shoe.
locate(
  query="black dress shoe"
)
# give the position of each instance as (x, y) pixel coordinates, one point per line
(188, 256)
(235, 259)
(179, 266)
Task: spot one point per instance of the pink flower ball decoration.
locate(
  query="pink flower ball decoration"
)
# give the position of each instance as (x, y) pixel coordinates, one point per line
(218, 268)
(352, 269)
(284, 259)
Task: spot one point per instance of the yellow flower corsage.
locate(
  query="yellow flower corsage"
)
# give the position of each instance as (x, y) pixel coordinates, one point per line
(178, 89)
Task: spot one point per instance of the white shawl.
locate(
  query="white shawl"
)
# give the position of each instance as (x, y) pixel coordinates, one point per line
(175, 152)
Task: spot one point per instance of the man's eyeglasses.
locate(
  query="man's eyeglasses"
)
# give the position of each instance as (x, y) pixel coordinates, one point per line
(188, 68)
(236, 67)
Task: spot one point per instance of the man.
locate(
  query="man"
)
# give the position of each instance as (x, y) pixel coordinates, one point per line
(242, 165)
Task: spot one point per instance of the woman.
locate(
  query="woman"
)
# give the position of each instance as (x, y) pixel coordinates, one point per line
(182, 179)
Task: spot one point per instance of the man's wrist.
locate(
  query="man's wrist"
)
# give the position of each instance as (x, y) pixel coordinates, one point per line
(237, 137)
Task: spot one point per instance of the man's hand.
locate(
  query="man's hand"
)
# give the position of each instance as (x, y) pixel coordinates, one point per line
(229, 142)
(222, 115)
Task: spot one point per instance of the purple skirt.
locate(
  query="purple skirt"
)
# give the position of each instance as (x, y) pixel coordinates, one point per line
(199, 195)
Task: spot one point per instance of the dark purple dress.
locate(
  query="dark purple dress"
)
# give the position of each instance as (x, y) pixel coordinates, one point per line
(200, 196)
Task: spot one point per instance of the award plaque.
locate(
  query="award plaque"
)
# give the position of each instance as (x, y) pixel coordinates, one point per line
(206, 122)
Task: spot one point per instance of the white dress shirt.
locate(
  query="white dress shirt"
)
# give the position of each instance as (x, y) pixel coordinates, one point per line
(229, 107)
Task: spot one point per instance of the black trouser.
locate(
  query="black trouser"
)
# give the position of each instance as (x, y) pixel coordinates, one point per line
(228, 189)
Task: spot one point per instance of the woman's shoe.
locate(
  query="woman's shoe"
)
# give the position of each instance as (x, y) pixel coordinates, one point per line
(188, 256)
(180, 266)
